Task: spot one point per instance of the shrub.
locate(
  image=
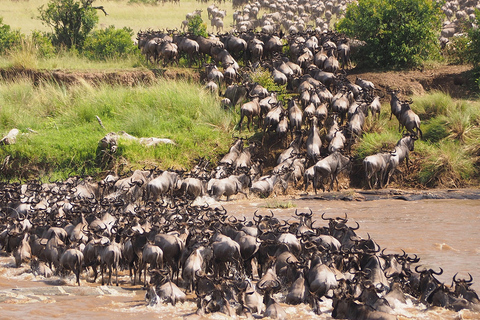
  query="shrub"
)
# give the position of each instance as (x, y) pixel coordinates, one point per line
(397, 33)
(109, 43)
(264, 78)
(42, 44)
(197, 27)
(456, 50)
(474, 43)
(70, 20)
(8, 37)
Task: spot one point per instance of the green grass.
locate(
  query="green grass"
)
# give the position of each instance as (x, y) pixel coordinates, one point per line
(67, 132)
(448, 164)
(448, 155)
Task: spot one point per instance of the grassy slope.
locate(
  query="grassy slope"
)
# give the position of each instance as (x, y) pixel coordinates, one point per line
(67, 131)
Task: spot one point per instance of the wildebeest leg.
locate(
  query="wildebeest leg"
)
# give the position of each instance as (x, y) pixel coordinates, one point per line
(77, 274)
(110, 275)
(244, 193)
(95, 272)
(369, 179)
(116, 275)
(101, 269)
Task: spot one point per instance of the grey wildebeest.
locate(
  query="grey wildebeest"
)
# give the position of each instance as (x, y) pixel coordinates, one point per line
(330, 166)
(187, 46)
(295, 116)
(265, 186)
(395, 104)
(401, 152)
(228, 186)
(110, 255)
(192, 187)
(72, 260)
(314, 142)
(166, 51)
(234, 152)
(376, 165)
(409, 119)
(161, 185)
(367, 86)
(338, 142)
(375, 107)
(249, 110)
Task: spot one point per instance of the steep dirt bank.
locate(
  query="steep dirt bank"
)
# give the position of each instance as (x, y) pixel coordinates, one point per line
(117, 77)
(449, 78)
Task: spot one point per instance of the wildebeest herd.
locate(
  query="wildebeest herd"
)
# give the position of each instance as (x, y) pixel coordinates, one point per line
(319, 119)
(231, 266)
(147, 222)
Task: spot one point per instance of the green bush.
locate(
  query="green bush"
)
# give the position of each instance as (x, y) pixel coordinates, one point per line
(474, 43)
(43, 44)
(197, 27)
(70, 20)
(397, 33)
(264, 78)
(8, 37)
(456, 50)
(109, 43)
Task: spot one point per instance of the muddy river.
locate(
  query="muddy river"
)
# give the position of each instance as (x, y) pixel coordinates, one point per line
(443, 233)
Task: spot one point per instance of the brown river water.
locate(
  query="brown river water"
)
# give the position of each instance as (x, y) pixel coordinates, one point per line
(443, 233)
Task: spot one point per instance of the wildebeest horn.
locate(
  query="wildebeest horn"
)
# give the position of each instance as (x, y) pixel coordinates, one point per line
(330, 219)
(437, 273)
(358, 226)
(471, 278)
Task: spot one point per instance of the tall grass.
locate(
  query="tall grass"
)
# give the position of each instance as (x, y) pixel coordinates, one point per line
(449, 153)
(60, 131)
(447, 164)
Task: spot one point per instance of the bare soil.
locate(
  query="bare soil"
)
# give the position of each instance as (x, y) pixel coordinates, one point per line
(452, 79)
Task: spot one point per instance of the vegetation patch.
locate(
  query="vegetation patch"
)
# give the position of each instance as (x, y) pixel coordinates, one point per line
(62, 138)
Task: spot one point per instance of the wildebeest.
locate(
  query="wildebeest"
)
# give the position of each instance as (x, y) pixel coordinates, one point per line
(249, 110)
(72, 260)
(228, 186)
(265, 186)
(366, 85)
(330, 166)
(401, 152)
(165, 183)
(314, 142)
(409, 119)
(395, 104)
(376, 165)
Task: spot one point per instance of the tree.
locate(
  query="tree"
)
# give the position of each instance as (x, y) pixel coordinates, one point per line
(397, 33)
(70, 20)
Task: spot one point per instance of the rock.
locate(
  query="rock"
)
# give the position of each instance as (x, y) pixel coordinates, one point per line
(10, 138)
